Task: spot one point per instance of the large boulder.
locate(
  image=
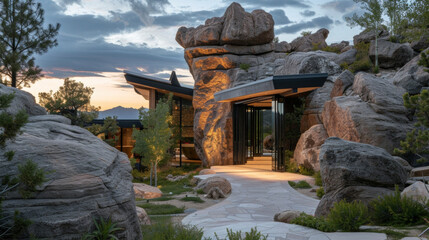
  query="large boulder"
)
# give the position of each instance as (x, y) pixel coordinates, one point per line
(356, 171)
(236, 27)
(308, 146)
(342, 83)
(22, 101)
(391, 55)
(418, 191)
(86, 179)
(310, 42)
(374, 115)
(207, 184)
(286, 216)
(309, 62)
(421, 44)
(366, 36)
(412, 77)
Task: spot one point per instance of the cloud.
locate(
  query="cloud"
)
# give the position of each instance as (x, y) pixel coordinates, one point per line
(144, 11)
(308, 13)
(340, 5)
(273, 3)
(318, 22)
(280, 17)
(187, 18)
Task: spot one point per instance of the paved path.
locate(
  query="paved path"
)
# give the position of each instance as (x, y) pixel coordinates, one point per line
(256, 196)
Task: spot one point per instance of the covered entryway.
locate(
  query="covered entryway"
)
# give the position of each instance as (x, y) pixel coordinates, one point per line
(251, 102)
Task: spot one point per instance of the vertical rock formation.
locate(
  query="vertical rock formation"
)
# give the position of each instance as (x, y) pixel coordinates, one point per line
(222, 53)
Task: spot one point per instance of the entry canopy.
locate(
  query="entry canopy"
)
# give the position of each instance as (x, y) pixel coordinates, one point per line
(142, 83)
(284, 85)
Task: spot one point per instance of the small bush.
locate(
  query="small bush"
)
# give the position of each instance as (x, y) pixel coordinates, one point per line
(316, 46)
(254, 234)
(313, 222)
(30, 176)
(397, 211)
(331, 49)
(160, 199)
(348, 216)
(292, 183)
(192, 199)
(344, 66)
(306, 169)
(165, 230)
(320, 192)
(245, 66)
(302, 184)
(161, 209)
(305, 33)
(363, 62)
(318, 179)
(104, 230)
(200, 191)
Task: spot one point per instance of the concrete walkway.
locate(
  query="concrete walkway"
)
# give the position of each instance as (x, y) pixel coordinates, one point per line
(257, 195)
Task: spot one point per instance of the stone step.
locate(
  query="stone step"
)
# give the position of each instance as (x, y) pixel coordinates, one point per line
(420, 171)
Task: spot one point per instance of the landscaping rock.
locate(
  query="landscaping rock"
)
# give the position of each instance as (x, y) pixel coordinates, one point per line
(286, 216)
(309, 62)
(367, 36)
(86, 178)
(207, 171)
(145, 191)
(412, 77)
(347, 57)
(356, 171)
(310, 42)
(215, 181)
(283, 47)
(342, 83)
(172, 178)
(404, 163)
(143, 217)
(215, 193)
(308, 147)
(417, 191)
(391, 55)
(194, 181)
(268, 142)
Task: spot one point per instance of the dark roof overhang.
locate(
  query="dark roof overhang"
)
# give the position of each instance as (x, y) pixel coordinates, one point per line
(140, 81)
(285, 85)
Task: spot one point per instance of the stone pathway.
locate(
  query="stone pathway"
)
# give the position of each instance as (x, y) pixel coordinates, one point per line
(257, 195)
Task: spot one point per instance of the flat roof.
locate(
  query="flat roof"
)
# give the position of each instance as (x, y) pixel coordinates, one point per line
(285, 85)
(150, 82)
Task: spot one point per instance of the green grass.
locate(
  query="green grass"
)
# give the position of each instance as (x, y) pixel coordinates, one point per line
(300, 184)
(161, 209)
(164, 229)
(192, 199)
(160, 199)
(200, 191)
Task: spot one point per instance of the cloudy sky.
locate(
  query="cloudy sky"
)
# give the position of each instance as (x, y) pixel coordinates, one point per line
(99, 39)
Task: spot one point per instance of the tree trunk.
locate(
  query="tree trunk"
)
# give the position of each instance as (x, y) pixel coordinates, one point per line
(14, 79)
(376, 46)
(156, 176)
(151, 171)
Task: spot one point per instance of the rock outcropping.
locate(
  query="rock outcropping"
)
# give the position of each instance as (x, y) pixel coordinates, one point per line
(87, 178)
(356, 171)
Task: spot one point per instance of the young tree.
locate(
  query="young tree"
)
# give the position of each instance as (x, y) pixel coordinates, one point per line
(396, 11)
(23, 35)
(72, 100)
(418, 19)
(154, 141)
(370, 20)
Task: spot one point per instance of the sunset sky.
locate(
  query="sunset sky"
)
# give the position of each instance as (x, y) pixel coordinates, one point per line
(99, 39)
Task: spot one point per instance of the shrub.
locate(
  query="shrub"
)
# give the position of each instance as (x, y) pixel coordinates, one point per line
(318, 178)
(363, 62)
(397, 211)
(245, 66)
(306, 169)
(305, 33)
(344, 66)
(320, 192)
(348, 216)
(313, 222)
(200, 191)
(300, 184)
(254, 234)
(331, 49)
(30, 177)
(104, 230)
(166, 230)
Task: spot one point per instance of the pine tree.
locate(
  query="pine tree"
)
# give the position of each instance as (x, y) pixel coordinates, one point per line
(154, 141)
(72, 100)
(371, 20)
(22, 36)
(107, 131)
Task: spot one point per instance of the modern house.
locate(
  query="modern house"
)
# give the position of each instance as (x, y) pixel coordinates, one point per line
(252, 104)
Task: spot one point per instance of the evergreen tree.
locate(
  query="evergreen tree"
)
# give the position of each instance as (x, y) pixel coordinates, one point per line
(371, 20)
(154, 141)
(72, 100)
(23, 35)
